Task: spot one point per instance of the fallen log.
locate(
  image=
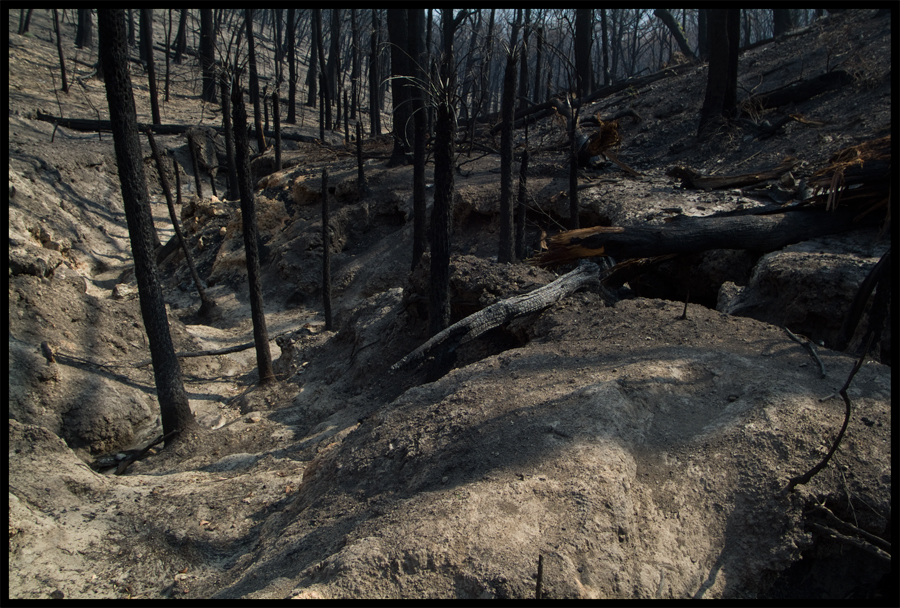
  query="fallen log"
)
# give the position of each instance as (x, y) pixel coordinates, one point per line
(691, 179)
(92, 126)
(502, 312)
(685, 234)
(800, 91)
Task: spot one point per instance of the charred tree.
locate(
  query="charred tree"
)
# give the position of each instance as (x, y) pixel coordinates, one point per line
(354, 64)
(312, 74)
(506, 251)
(147, 42)
(583, 30)
(84, 37)
(444, 160)
(254, 82)
(326, 254)
(168, 43)
(208, 55)
(181, 37)
(361, 184)
(225, 87)
(416, 52)
(398, 32)
(782, 20)
(669, 21)
(523, 64)
(59, 49)
(604, 39)
(207, 304)
(174, 408)
(374, 79)
(24, 20)
(292, 67)
(573, 166)
(721, 88)
(276, 120)
(333, 67)
(251, 234)
(520, 207)
(323, 75)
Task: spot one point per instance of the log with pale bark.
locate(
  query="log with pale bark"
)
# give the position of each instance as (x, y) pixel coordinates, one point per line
(761, 233)
(500, 313)
(691, 179)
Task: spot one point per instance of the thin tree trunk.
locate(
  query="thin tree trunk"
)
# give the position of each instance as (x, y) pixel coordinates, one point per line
(251, 235)
(326, 89)
(312, 74)
(208, 55)
(225, 86)
(174, 408)
(292, 67)
(254, 83)
(420, 239)
(520, 206)
(168, 42)
(506, 251)
(147, 41)
(59, 48)
(374, 101)
(361, 184)
(207, 304)
(326, 254)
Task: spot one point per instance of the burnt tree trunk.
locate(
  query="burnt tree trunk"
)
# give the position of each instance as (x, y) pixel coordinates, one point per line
(251, 234)
(398, 32)
(441, 219)
(583, 30)
(721, 87)
(312, 74)
(326, 254)
(59, 49)
(292, 67)
(208, 55)
(520, 207)
(254, 83)
(759, 233)
(84, 37)
(207, 304)
(669, 21)
(374, 79)
(181, 37)
(420, 239)
(362, 185)
(147, 41)
(225, 86)
(323, 74)
(173, 403)
(506, 251)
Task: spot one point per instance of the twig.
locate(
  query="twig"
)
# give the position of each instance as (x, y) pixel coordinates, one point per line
(809, 346)
(831, 518)
(850, 540)
(221, 351)
(802, 479)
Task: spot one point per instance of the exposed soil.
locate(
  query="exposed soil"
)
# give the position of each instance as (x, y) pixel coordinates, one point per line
(642, 454)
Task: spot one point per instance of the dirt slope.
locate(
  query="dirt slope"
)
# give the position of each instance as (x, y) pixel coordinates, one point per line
(640, 454)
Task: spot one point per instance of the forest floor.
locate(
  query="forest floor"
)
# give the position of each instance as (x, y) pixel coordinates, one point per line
(639, 453)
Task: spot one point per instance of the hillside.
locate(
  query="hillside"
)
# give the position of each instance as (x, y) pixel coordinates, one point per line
(639, 451)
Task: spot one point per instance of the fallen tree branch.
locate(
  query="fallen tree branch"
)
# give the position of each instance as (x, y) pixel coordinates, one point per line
(502, 312)
(809, 346)
(686, 234)
(220, 351)
(851, 540)
(831, 518)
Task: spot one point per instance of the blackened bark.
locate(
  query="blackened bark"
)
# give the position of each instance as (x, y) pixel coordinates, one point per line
(194, 150)
(312, 74)
(24, 23)
(398, 32)
(354, 64)
(722, 81)
(292, 67)
(59, 48)
(333, 67)
(251, 234)
(254, 82)
(174, 408)
(326, 254)
(420, 238)
(520, 207)
(539, 34)
(208, 55)
(181, 37)
(147, 41)
(604, 36)
(441, 219)
(669, 21)
(207, 304)
(276, 119)
(84, 37)
(782, 21)
(168, 43)
(523, 64)
(573, 167)
(506, 251)
(325, 88)
(583, 27)
(361, 184)
(225, 84)
(374, 78)
(703, 33)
